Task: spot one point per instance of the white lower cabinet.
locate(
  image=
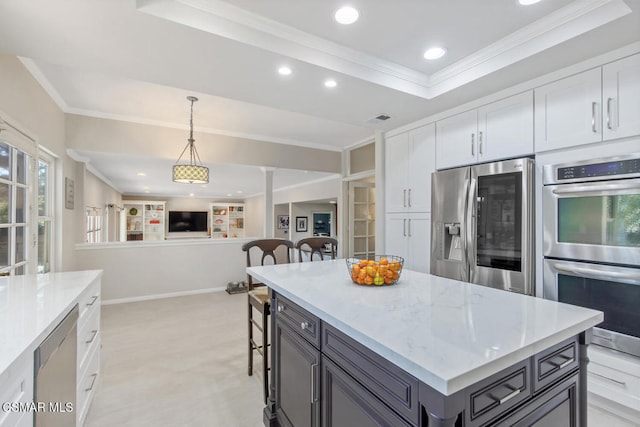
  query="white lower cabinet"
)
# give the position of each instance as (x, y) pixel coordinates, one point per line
(88, 362)
(615, 377)
(409, 236)
(16, 387)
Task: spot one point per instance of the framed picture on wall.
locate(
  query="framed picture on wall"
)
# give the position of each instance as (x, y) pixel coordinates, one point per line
(302, 223)
(283, 221)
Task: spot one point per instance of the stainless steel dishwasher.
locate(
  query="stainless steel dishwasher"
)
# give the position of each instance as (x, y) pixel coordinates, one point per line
(55, 374)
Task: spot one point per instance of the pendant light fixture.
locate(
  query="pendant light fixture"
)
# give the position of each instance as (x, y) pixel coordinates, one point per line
(192, 172)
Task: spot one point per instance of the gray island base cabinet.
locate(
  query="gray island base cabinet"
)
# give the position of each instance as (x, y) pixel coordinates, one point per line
(322, 377)
(428, 352)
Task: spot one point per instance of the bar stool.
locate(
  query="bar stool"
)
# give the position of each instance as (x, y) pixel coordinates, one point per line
(317, 245)
(259, 300)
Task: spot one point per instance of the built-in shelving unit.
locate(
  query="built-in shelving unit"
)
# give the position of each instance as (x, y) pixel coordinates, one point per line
(227, 220)
(145, 220)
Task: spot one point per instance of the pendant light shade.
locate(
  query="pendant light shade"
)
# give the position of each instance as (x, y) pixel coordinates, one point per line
(192, 172)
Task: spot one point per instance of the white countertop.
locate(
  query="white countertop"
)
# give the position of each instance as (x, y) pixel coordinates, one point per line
(32, 306)
(446, 333)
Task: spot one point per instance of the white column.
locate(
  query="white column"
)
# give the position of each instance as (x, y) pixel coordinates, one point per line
(268, 201)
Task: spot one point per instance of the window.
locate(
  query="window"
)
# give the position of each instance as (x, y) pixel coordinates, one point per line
(94, 224)
(14, 209)
(45, 212)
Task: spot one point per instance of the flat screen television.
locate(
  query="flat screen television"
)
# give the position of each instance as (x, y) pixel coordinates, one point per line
(187, 221)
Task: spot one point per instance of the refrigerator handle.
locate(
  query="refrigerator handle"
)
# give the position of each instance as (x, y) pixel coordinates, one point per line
(470, 238)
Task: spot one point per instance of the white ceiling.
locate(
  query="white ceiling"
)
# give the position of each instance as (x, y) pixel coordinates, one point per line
(138, 60)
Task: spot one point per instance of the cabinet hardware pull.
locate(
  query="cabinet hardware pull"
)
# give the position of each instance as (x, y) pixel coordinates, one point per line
(563, 364)
(93, 337)
(305, 325)
(313, 382)
(409, 197)
(404, 198)
(609, 113)
(473, 153)
(280, 307)
(93, 381)
(509, 396)
(93, 300)
(593, 117)
(404, 227)
(480, 143)
(607, 378)
(409, 227)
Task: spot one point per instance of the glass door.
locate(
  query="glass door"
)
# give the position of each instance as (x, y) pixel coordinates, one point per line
(362, 222)
(499, 221)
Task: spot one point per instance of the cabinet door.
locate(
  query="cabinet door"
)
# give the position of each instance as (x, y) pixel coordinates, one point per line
(396, 235)
(346, 402)
(297, 384)
(421, 163)
(505, 128)
(456, 140)
(621, 98)
(396, 172)
(419, 244)
(568, 112)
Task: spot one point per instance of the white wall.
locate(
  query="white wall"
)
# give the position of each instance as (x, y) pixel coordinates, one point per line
(25, 102)
(307, 210)
(279, 210)
(100, 195)
(318, 190)
(140, 270)
(254, 216)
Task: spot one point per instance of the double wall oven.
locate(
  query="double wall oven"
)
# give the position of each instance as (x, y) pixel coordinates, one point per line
(592, 243)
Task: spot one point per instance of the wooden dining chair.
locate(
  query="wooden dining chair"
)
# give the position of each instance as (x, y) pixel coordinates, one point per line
(279, 251)
(317, 245)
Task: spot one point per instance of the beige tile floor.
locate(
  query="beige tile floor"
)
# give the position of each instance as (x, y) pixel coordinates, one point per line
(182, 362)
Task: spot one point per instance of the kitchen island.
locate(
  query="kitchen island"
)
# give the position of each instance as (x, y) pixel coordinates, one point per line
(31, 307)
(427, 351)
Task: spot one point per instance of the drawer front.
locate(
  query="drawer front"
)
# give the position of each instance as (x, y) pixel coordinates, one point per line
(16, 387)
(87, 384)
(298, 319)
(90, 300)
(499, 393)
(554, 363)
(386, 381)
(87, 335)
(612, 384)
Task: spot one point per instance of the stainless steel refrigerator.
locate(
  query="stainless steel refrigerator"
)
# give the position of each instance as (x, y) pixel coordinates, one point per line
(482, 221)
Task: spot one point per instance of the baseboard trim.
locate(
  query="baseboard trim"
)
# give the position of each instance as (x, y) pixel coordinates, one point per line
(161, 296)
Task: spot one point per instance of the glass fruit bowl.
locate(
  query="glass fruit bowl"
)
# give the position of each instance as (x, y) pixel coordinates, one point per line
(379, 271)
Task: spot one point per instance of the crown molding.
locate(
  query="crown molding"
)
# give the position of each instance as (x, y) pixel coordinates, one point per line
(76, 156)
(229, 21)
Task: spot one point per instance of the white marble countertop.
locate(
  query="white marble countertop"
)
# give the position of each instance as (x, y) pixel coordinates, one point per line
(31, 307)
(446, 333)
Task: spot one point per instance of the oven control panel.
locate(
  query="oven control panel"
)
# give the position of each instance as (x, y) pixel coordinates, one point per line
(611, 168)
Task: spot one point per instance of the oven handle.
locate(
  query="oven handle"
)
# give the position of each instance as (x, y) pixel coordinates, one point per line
(599, 188)
(598, 274)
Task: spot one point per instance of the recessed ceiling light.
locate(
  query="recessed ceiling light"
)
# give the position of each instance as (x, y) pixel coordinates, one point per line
(229, 195)
(284, 71)
(147, 191)
(191, 194)
(239, 191)
(435, 52)
(330, 83)
(527, 2)
(141, 174)
(204, 186)
(347, 15)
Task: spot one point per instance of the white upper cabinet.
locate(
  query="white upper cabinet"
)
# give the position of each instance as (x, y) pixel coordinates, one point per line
(409, 162)
(621, 98)
(505, 128)
(456, 140)
(568, 112)
(500, 130)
